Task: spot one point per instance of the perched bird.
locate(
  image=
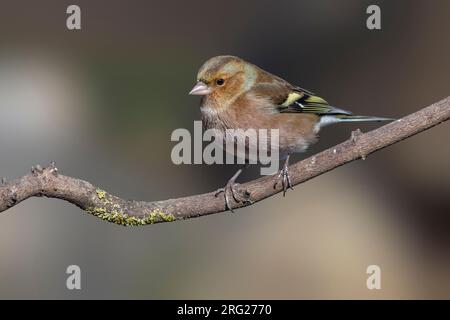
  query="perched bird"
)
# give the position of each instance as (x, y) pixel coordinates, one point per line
(239, 95)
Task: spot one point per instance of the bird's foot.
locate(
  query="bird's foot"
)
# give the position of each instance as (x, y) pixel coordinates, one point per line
(230, 189)
(285, 178)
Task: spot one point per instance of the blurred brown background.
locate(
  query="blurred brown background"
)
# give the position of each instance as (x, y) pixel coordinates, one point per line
(102, 102)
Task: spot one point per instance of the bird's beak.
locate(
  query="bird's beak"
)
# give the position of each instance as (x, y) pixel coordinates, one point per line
(200, 89)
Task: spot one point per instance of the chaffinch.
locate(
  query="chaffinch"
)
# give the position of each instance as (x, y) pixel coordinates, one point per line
(239, 95)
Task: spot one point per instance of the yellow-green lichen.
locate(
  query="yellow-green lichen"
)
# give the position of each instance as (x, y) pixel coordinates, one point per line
(110, 211)
(125, 219)
(101, 194)
(167, 217)
(96, 211)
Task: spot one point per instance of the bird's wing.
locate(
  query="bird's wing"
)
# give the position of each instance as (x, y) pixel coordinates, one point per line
(303, 102)
(289, 99)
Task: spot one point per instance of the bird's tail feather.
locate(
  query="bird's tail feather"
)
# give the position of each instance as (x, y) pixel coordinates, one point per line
(335, 118)
(350, 118)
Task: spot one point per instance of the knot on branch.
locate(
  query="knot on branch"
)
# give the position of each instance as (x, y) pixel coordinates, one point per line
(313, 161)
(354, 138)
(355, 135)
(53, 169)
(12, 198)
(38, 170)
(245, 195)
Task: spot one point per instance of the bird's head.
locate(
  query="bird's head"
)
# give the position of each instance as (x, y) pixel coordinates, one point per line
(223, 78)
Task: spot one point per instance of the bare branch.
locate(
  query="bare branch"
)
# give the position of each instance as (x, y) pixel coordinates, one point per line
(48, 182)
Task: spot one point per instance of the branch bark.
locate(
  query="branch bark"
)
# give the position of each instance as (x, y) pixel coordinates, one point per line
(49, 183)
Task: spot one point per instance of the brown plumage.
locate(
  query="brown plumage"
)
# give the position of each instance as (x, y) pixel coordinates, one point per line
(239, 95)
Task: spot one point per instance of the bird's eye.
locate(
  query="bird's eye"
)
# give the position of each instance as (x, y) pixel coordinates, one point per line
(220, 82)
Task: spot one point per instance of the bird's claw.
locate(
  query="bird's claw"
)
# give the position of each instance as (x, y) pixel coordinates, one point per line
(285, 179)
(227, 190)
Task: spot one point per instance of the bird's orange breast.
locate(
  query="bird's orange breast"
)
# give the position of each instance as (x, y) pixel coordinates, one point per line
(296, 131)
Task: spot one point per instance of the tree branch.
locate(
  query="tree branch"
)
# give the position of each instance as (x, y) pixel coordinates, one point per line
(49, 183)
